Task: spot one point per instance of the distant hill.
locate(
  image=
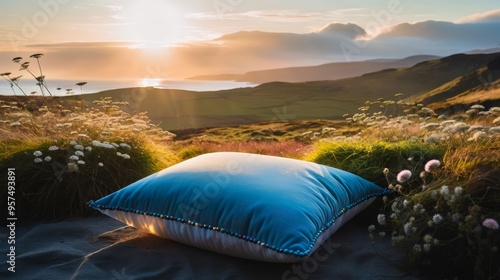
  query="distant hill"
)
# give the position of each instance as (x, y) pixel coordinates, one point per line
(329, 71)
(218, 77)
(433, 82)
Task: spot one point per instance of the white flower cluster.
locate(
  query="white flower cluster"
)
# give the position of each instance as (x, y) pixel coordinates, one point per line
(105, 145)
(124, 156)
(419, 120)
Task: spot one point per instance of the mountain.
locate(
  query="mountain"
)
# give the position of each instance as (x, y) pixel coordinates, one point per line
(330, 71)
(434, 82)
(218, 77)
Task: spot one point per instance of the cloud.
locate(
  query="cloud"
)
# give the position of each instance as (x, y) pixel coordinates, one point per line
(279, 15)
(349, 30)
(489, 16)
(257, 50)
(80, 45)
(461, 35)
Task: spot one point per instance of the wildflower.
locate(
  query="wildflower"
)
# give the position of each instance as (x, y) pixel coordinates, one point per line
(100, 164)
(437, 219)
(409, 228)
(81, 162)
(381, 219)
(417, 207)
(460, 127)
(38, 160)
(427, 247)
(444, 191)
(88, 149)
(433, 139)
(491, 224)
(79, 153)
(403, 176)
(474, 128)
(477, 107)
(37, 154)
(78, 147)
(72, 167)
(428, 238)
(431, 126)
(455, 217)
(48, 158)
(74, 157)
(72, 143)
(381, 234)
(125, 156)
(434, 194)
(477, 136)
(494, 130)
(458, 191)
(406, 203)
(371, 228)
(53, 148)
(432, 165)
(468, 218)
(386, 171)
(396, 239)
(417, 248)
(106, 145)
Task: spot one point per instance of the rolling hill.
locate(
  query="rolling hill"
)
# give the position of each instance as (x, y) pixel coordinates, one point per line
(329, 71)
(433, 82)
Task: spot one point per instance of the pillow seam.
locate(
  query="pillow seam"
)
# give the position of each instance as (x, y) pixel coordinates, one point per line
(296, 253)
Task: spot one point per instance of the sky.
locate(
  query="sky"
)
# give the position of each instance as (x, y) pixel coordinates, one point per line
(167, 39)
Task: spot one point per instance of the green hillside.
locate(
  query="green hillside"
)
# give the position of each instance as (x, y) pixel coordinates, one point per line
(428, 82)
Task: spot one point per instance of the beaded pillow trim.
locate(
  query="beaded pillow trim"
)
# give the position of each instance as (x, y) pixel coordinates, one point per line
(169, 221)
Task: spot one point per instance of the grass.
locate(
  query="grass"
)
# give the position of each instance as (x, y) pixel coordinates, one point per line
(290, 149)
(368, 158)
(437, 217)
(65, 157)
(96, 150)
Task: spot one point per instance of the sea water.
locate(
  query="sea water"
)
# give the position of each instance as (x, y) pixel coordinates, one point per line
(94, 86)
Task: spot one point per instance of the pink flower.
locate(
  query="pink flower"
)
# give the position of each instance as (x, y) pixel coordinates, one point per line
(403, 176)
(491, 224)
(431, 165)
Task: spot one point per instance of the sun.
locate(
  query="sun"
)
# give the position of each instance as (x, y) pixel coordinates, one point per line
(150, 82)
(154, 23)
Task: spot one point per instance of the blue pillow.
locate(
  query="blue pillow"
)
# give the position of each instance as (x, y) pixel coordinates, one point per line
(245, 205)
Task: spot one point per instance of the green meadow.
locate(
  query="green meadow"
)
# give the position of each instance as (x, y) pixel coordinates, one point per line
(442, 163)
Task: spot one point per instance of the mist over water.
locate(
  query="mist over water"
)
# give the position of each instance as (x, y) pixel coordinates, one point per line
(29, 85)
